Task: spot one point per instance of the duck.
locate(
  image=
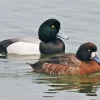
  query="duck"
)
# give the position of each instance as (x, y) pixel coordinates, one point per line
(85, 61)
(48, 42)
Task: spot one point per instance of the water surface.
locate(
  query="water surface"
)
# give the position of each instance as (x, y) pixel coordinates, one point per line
(80, 20)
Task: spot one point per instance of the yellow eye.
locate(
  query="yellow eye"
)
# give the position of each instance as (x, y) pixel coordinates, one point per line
(53, 26)
(89, 50)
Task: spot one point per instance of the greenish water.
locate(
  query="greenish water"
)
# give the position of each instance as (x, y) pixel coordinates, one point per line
(80, 20)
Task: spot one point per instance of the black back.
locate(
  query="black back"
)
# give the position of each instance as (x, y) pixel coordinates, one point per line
(6, 43)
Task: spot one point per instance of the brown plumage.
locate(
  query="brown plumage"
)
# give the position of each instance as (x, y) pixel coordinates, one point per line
(58, 69)
(69, 64)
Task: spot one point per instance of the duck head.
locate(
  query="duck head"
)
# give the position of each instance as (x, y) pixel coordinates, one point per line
(87, 51)
(50, 30)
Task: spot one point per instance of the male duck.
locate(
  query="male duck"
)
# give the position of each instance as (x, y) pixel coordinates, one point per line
(49, 33)
(84, 62)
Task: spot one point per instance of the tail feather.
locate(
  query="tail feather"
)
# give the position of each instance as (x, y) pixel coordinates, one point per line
(35, 66)
(2, 49)
(32, 65)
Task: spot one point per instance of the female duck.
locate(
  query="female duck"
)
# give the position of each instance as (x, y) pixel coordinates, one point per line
(84, 62)
(49, 34)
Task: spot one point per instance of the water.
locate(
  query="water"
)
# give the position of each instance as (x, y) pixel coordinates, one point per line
(80, 20)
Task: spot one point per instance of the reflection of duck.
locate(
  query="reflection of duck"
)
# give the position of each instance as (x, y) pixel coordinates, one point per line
(81, 84)
(84, 62)
(49, 33)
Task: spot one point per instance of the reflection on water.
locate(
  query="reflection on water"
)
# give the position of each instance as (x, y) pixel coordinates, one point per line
(80, 20)
(18, 79)
(80, 84)
(25, 57)
(16, 68)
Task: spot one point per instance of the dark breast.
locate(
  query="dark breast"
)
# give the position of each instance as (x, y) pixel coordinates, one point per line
(53, 47)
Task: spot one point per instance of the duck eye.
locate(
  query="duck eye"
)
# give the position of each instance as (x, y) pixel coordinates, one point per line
(89, 50)
(53, 26)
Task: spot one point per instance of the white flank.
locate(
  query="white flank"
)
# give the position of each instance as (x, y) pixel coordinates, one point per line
(23, 48)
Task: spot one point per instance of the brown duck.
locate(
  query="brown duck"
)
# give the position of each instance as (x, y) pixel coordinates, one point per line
(84, 62)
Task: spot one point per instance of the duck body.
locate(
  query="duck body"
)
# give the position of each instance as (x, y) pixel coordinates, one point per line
(69, 64)
(22, 45)
(25, 46)
(46, 43)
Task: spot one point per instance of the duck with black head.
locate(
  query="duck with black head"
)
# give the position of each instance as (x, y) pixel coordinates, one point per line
(48, 41)
(85, 61)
